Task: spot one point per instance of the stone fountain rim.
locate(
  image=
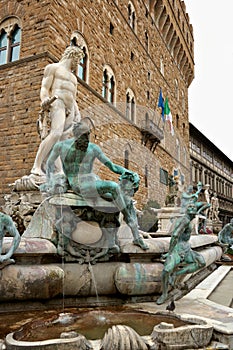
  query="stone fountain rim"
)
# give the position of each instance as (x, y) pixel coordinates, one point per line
(19, 344)
(33, 344)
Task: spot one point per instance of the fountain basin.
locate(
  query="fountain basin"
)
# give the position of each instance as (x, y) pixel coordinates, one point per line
(132, 273)
(184, 337)
(93, 329)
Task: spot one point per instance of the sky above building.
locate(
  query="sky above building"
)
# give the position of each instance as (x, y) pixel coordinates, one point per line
(211, 92)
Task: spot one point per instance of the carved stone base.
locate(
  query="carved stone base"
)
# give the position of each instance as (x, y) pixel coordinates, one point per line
(217, 226)
(82, 232)
(21, 206)
(166, 216)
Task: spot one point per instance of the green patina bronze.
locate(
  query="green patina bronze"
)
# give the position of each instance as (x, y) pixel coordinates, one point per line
(77, 156)
(189, 197)
(180, 259)
(7, 225)
(225, 236)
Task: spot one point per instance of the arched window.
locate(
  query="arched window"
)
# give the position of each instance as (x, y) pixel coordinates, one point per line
(183, 129)
(3, 47)
(105, 84)
(185, 155)
(178, 149)
(146, 176)
(147, 119)
(83, 66)
(147, 41)
(131, 16)
(182, 100)
(126, 160)
(178, 15)
(162, 66)
(111, 90)
(108, 85)
(130, 106)
(15, 44)
(191, 46)
(177, 121)
(176, 90)
(133, 109)
(10, 39)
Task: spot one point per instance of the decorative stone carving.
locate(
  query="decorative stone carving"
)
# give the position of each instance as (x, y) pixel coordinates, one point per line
(81, 342)
(122, 337)
(166, 336)
(21, 206)
(85, 234)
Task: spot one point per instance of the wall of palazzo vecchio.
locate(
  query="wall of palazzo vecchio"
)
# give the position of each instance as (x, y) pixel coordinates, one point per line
(132, 50)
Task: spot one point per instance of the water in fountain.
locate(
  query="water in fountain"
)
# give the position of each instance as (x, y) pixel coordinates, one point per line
(63, 261)
(92, 323)
(94, 281)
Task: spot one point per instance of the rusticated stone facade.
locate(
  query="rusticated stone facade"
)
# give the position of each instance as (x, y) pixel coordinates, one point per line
(142, 45)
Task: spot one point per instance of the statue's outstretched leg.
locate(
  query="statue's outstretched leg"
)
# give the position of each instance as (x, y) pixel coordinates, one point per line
(138, 240)
(125, 206)
(190, 268)
(130, 218)
(163, 297)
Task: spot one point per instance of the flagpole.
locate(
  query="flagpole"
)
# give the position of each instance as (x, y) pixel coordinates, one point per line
(159, 117)
(163, 125)
(155, 109)
(160, 104)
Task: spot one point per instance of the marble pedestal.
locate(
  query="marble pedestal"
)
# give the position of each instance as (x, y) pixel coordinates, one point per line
(39, 273)
(166, 216)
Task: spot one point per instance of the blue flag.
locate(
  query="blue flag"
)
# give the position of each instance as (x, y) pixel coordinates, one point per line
(161, 104)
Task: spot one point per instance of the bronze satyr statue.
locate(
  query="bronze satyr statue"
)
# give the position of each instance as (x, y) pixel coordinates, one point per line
(180, 252)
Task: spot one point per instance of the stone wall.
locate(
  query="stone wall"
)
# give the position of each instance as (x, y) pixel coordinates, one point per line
(46, 30)
(19, 110)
